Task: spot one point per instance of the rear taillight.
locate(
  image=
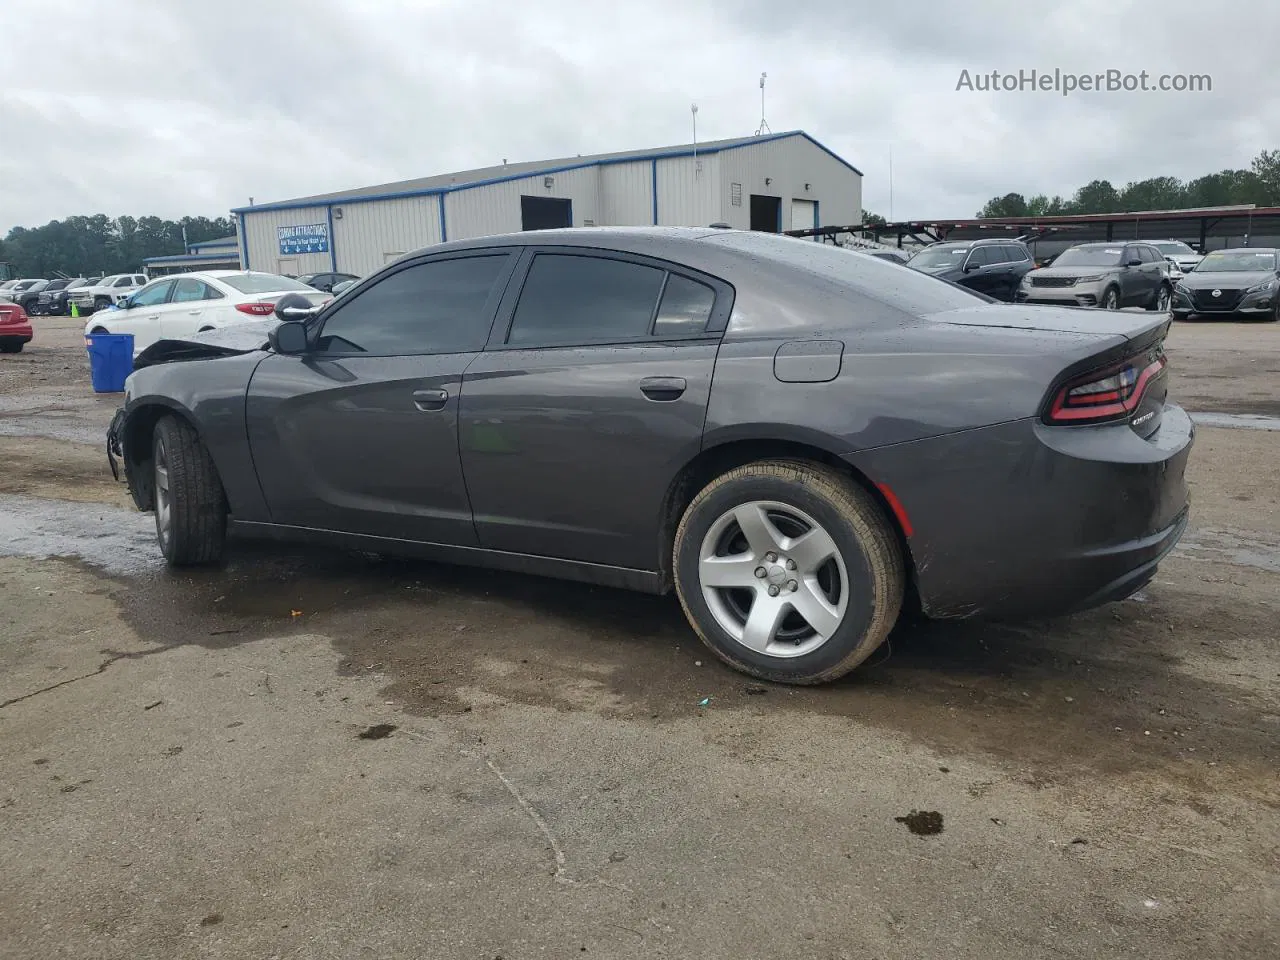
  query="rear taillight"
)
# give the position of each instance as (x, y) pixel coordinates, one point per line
(257, 309)
(1107, 394)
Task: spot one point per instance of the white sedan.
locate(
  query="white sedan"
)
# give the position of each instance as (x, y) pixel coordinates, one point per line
(187, 303)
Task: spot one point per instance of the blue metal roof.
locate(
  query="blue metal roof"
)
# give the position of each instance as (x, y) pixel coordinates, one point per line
(467, 180)
(231, 241)
(196, 257)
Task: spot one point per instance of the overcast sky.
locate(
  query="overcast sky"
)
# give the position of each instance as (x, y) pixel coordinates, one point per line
(173, 108)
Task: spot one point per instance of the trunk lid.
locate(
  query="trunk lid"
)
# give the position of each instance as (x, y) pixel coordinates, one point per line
(1078, 320)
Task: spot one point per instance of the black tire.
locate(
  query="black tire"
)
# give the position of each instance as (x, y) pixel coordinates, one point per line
(873, 567)
(11, 346)
(192, 529)
(97, 330)
(1181, 316)
(1110, 299)
(101, 303)
(1163, 291)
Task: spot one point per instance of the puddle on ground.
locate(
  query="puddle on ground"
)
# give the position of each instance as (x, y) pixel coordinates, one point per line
(118, 541)
(923, 823)
(1219, 546)
(1238, 421)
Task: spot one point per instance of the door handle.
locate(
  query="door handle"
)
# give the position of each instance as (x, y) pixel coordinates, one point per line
(428, 400)
(194, 313)
(663, 388)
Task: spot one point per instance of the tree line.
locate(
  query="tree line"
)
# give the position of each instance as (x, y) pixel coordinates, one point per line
(98, 244)
(1260, 184)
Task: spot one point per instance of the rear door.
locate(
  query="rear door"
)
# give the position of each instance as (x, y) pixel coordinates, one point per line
(590, 397)
(190, 308)
(360, 434)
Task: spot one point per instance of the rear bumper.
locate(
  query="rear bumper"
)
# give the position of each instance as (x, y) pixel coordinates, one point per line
(22, 333)
(1023, 520)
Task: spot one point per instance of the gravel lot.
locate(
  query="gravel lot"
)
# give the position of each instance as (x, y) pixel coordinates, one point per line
(317, 755)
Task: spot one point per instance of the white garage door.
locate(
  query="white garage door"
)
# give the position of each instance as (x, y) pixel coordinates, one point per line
(804, 214)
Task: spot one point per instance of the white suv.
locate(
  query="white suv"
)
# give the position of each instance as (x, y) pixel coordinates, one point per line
(107, 292)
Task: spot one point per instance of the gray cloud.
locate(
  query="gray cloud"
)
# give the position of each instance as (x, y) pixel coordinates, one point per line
(198, 107)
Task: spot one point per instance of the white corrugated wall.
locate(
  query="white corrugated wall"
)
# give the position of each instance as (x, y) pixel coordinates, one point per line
(262, 242)
(626, 194)
(689, 191)
(368, 235)
(789, 164)
(495, 208)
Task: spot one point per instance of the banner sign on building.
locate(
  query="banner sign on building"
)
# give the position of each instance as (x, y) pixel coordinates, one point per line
(309, 238)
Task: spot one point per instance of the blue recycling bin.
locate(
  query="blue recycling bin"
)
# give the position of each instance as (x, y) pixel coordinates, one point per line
(110, 360)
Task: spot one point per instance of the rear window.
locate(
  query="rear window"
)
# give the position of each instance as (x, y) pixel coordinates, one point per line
(910, 291)
(264, 283)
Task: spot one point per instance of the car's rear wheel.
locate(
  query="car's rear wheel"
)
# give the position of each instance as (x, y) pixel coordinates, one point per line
(1111, 299)
(11, 346)
(190, 506)
(788, 570)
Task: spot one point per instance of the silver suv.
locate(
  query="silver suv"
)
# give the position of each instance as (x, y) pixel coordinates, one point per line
(1107, 275)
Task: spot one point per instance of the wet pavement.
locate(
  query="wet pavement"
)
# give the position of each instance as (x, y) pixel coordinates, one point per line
(315, 753)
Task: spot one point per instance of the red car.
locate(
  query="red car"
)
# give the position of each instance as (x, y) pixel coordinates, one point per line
(15, 328)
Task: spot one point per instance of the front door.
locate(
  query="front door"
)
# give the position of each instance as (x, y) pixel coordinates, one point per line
(982, 273)
(143, 313)
(360, 434)
(587, 403)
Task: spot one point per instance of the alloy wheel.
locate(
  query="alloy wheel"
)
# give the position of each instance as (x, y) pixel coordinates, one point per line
(1111, 300)
(164, 499)
(773, 579)
(1162, 300)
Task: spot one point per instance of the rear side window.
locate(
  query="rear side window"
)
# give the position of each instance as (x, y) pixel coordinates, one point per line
(188, 290)
(441, 306)
(685, 309)
(1014, 253)
(568, 299)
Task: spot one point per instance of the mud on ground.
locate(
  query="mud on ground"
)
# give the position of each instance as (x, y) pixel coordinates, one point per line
(321, 754)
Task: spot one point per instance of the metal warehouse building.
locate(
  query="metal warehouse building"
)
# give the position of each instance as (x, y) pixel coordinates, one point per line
(775, 182)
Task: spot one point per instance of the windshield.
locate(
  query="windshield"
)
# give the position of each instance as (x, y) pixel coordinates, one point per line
(908, 291)
(8, 285)
(1173, 248)
(307, 277)
(940, 257)
(1089, 257)
(1237, 261)
(264, 283)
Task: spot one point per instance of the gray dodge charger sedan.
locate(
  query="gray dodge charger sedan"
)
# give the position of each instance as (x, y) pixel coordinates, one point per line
(800, 442)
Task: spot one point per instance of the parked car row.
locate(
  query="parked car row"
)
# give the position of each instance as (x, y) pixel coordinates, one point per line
(39, 297)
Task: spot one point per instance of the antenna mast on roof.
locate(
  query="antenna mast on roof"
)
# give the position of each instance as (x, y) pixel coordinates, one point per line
(764, 125)
(697, 164)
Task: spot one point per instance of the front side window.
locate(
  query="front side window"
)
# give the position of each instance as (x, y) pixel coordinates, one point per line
(572, 299)
(442, 306)
(153, 295)
(979, 257)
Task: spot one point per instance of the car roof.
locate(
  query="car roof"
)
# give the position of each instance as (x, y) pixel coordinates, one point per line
(1247, 250)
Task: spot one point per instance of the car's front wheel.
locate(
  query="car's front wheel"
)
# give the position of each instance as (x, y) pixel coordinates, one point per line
(1111, 299)
(1160, 303)
(190, 506)
(788, 570)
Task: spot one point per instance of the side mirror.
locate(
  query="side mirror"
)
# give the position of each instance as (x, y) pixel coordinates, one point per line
(290, 337)
(971, 266)
(294, 306)
(1133, 262)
